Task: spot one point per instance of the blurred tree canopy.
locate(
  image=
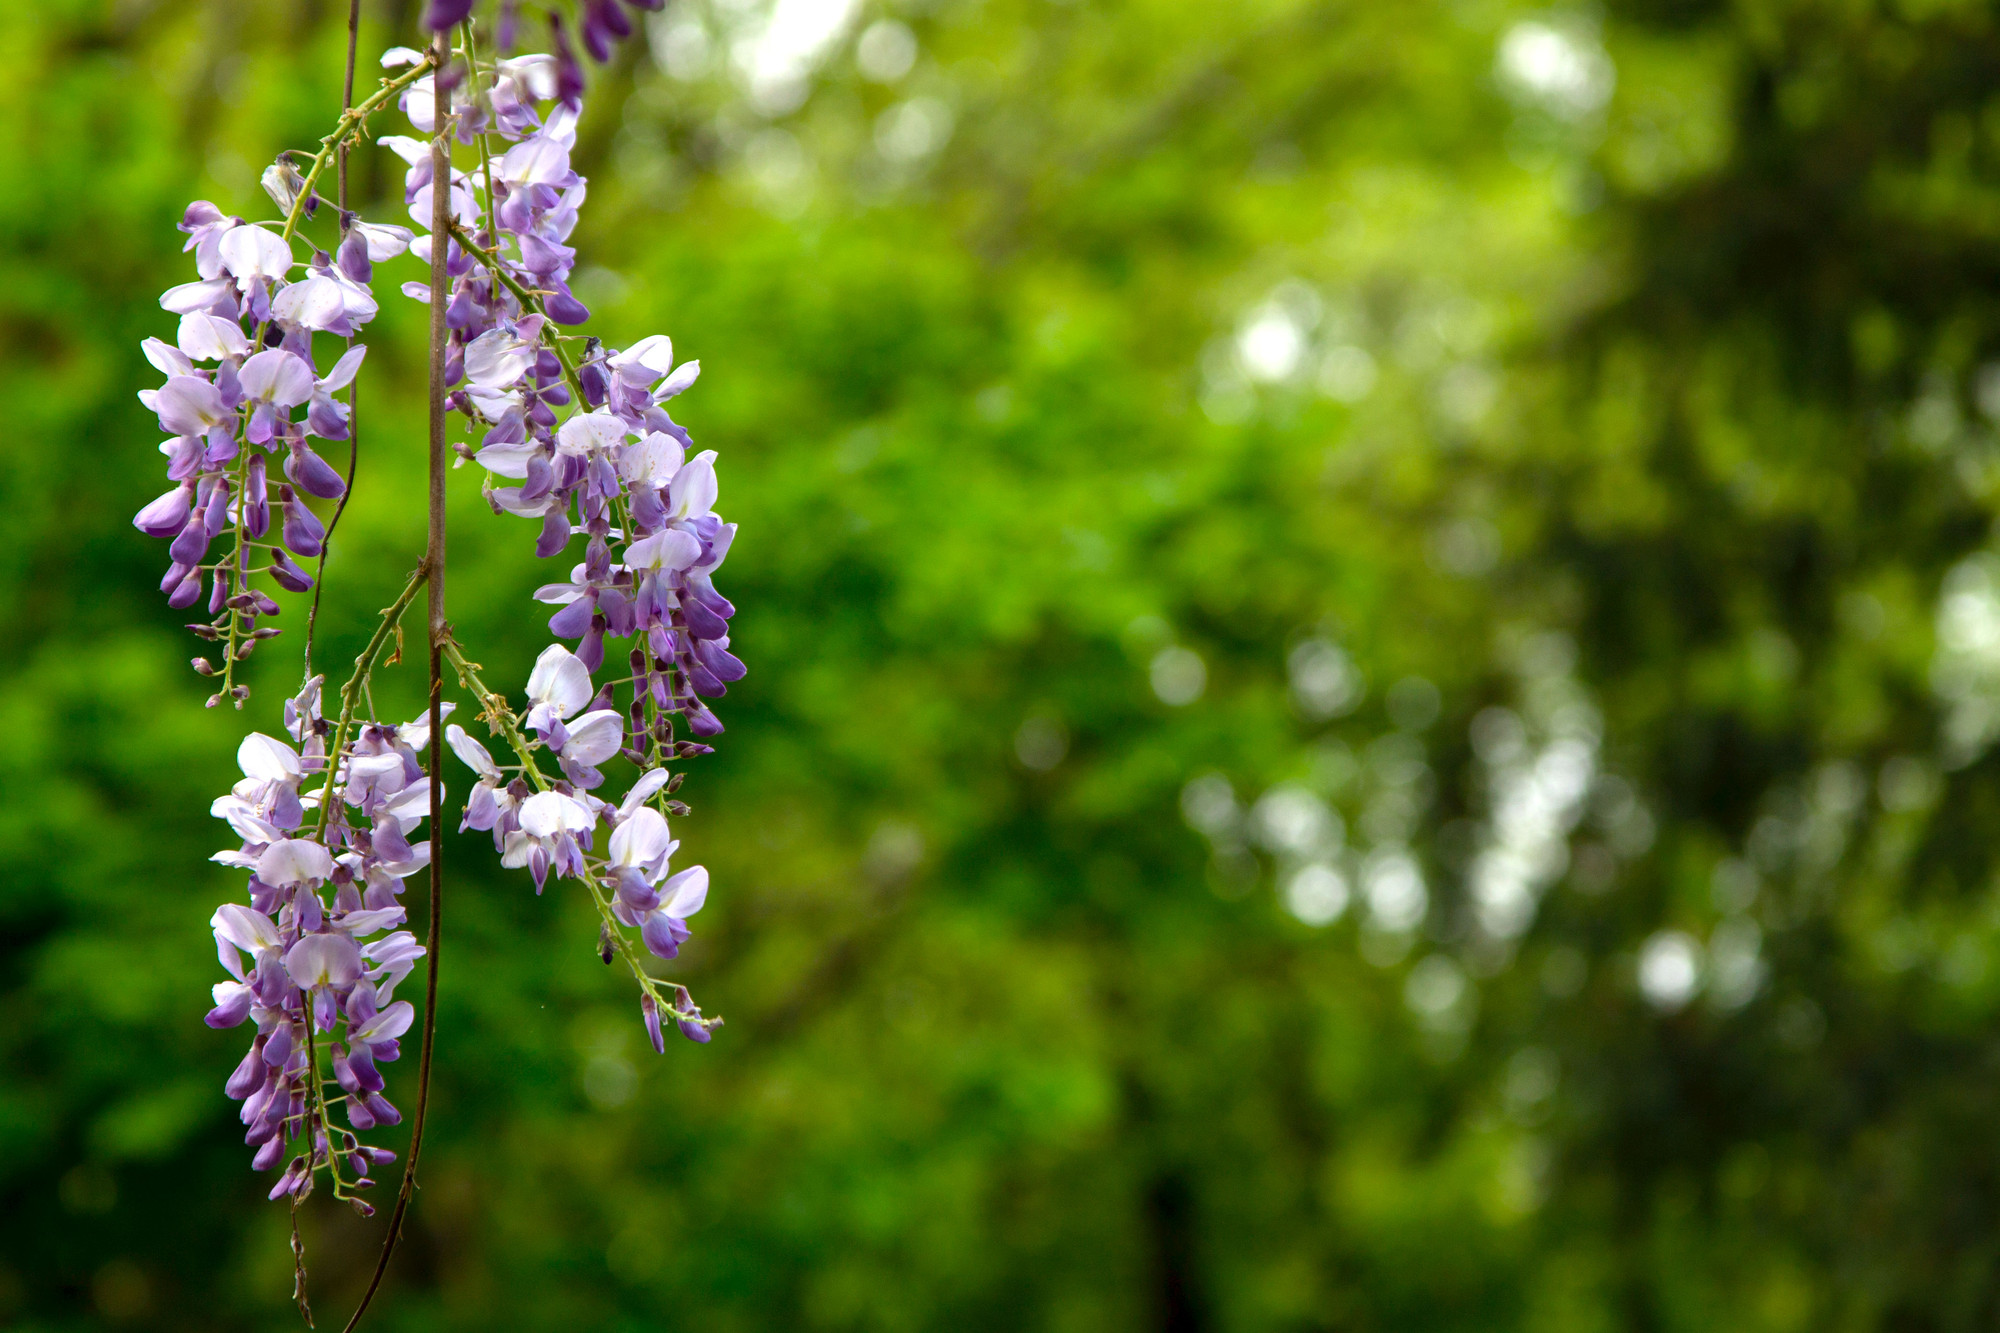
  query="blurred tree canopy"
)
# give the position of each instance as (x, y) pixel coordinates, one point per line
(1374, 664)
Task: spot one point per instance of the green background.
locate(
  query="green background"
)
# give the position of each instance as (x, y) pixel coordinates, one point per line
(1558, 443)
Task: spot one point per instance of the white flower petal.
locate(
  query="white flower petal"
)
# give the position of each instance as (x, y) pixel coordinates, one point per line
(519, 845)
(205, 337)
(245, 927)
(193, 296)
(416, 733)
(368, 921)
(267, 759)
(694, 487)
(679, 382)
(293, 861)
(646, 360)
(594, 737)
(419, 103)
(560, 680)
(510, 501)
(251, 251)
(642, 791)
(410, 150)
(653, 461)
(315, 303)
(166, 359)
(344, 370)
(324, 960)
(244, 820)
(536, 73)
(670, 548)
(470, 752)
(508, 460)
(685, 892)
(548, 813)
(391, 1023)
(277, 376)
(384, 240)
(497, 359)
(641, 839)
(493, 404)
(410, 804)
(540, 160)
(589, 431)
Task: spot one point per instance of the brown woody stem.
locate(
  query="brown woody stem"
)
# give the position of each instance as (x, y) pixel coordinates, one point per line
(439, 630)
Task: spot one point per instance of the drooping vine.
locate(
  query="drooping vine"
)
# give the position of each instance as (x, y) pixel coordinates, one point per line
(570, 433)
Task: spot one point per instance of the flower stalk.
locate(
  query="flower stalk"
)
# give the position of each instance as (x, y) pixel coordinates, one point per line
(436, 634)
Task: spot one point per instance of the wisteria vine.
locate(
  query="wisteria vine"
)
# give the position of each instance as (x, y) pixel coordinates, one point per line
(570, 433)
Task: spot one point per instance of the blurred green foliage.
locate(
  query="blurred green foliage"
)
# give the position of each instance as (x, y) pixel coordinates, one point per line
(1373, 661)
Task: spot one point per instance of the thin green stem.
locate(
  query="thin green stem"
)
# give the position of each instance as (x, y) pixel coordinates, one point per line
(529, 300)
(239, 568)
(485, 156)
(354, 385)
(503, 723)
(349, 127)
(351, 693)
(316, 1107)
(499, 718)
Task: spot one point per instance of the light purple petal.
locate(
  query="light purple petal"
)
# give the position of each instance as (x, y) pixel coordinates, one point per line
(559, 680)
(189, 405)
(294, 861)
(192, 296)
(387, 1025)
(278, 377)
(679, 382)
(470, 752)
(252, 252)
(330, 959)
(595, 737)
(642, 839)
(686, 892)
(344, 370)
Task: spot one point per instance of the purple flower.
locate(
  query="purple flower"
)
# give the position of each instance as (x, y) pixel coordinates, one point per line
(294, 957)
(649, 1011)
(303, 532)
(604, 25)
(444, 15)
(583, 445)
(692, 1025)
(224, 394)
(166, 516)
(569, 73)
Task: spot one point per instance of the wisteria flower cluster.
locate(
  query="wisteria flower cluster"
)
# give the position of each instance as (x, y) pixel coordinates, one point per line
(598, 457)
(236, 420)
(571, 434)
(245, 396)
(317, 964)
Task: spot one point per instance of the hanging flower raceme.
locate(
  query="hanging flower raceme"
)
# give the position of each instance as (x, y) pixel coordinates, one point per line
(315, 955)
(238, 372)
(586, 433)
(573, 435)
